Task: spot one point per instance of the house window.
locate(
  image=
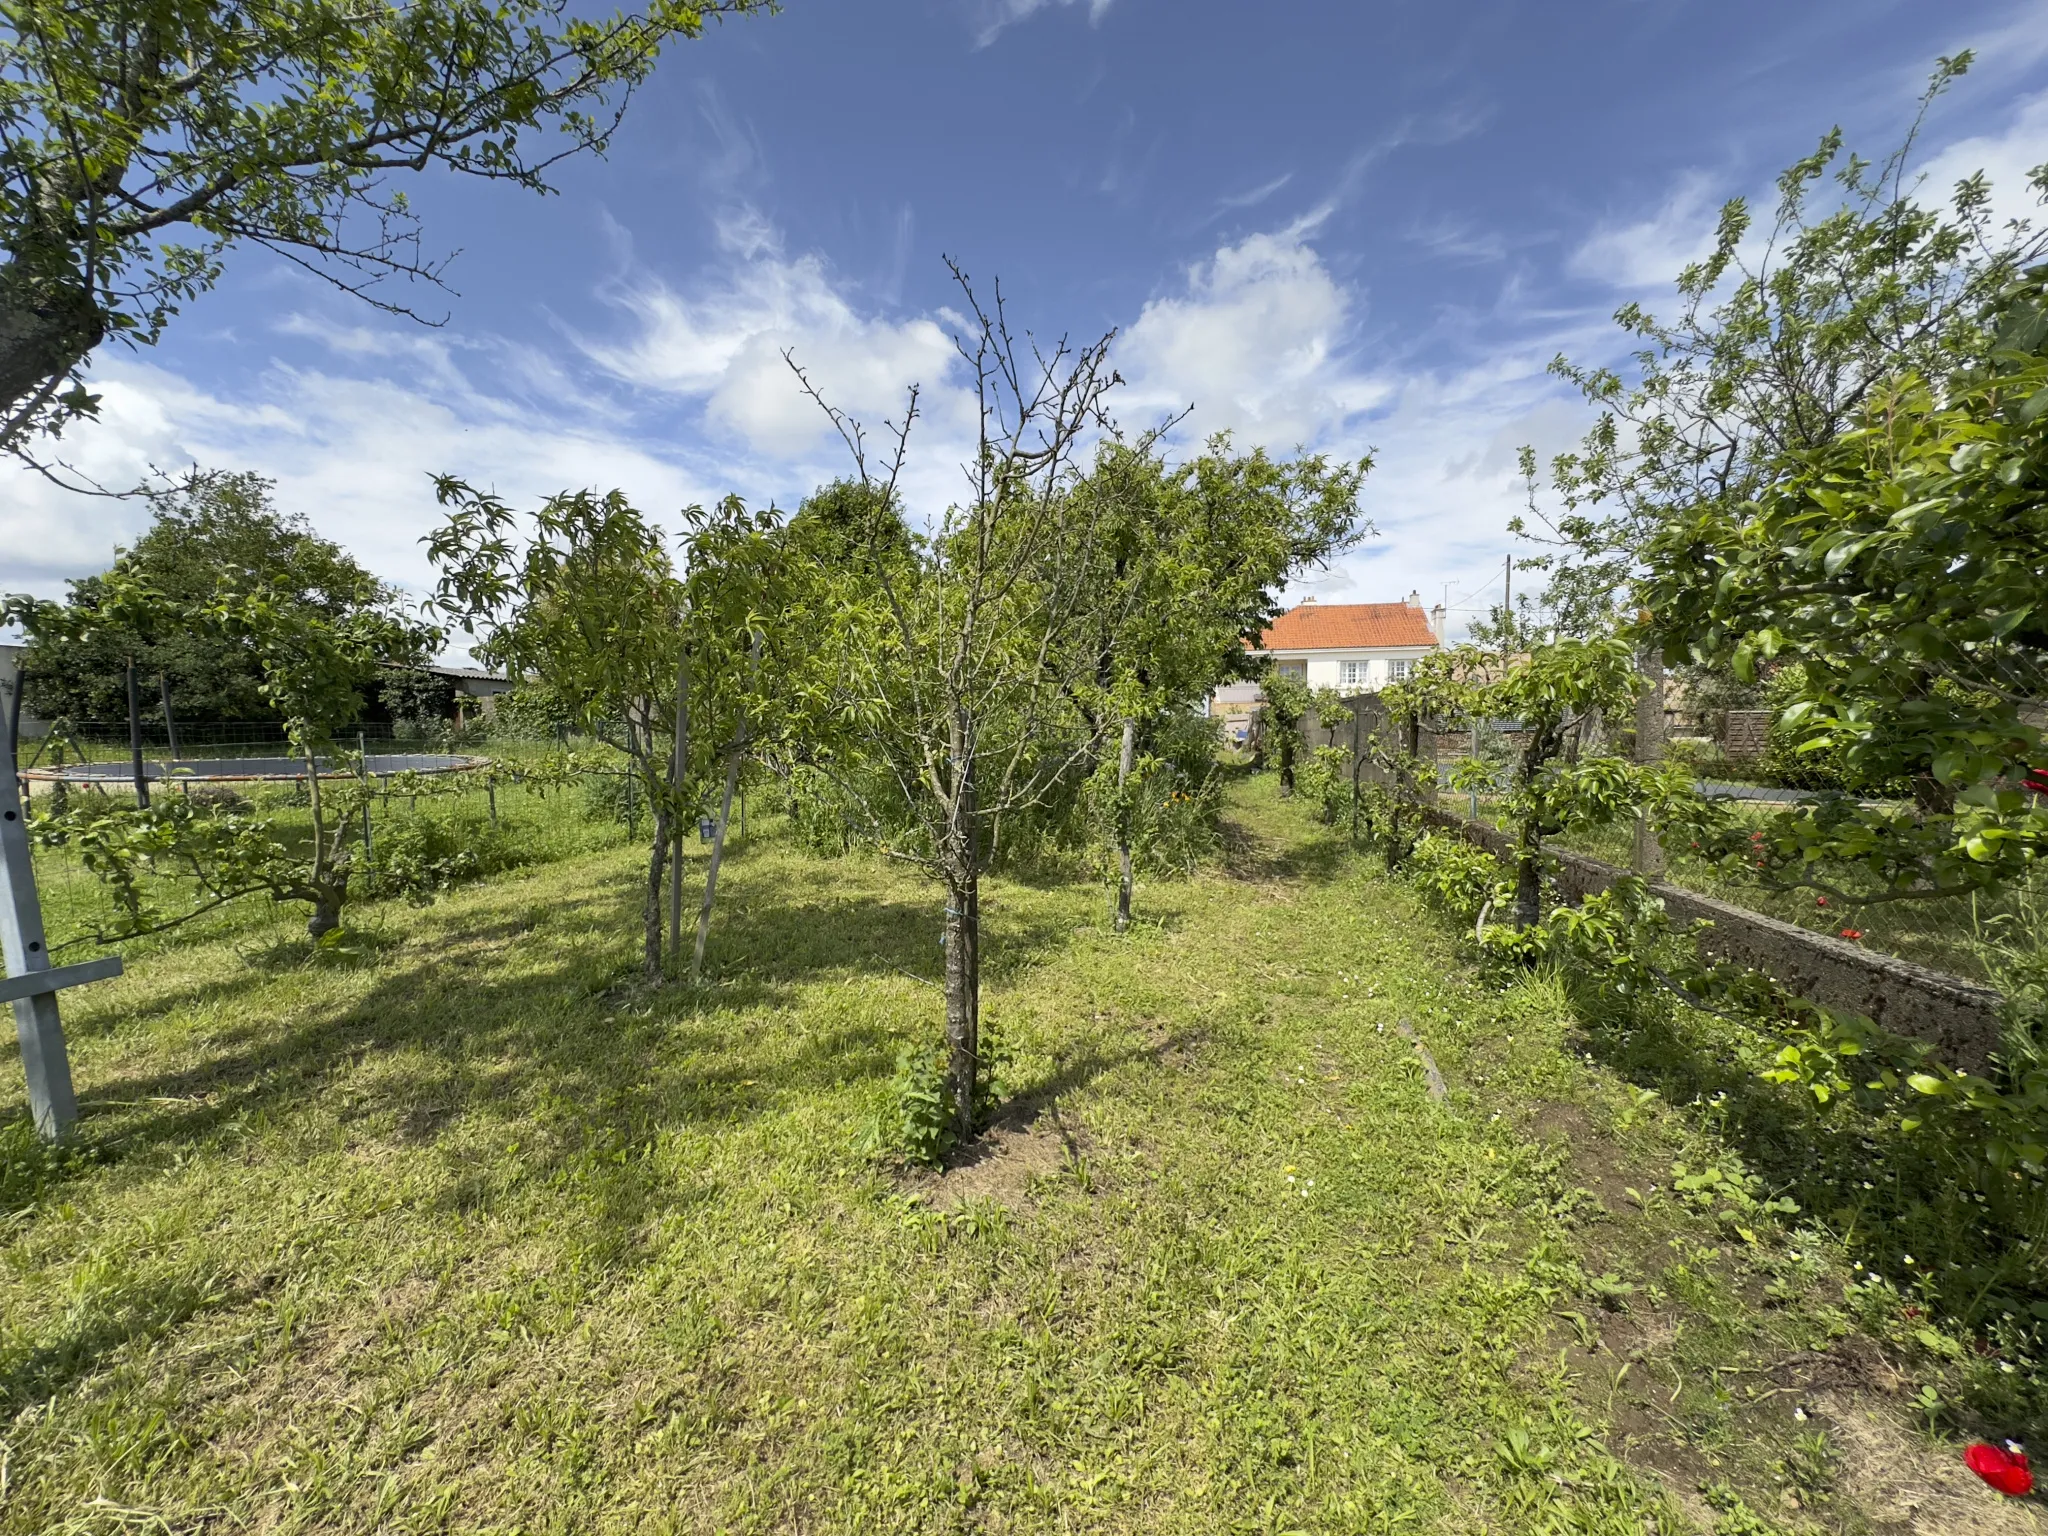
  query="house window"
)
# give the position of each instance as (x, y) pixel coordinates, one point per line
(1291, 668)
(1397, 671)
(1352, 674)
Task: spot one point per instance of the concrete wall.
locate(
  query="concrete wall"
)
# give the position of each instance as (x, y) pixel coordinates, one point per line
(1959, 1018)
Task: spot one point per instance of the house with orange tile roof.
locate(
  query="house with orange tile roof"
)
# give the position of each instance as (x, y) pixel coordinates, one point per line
(1351, 647)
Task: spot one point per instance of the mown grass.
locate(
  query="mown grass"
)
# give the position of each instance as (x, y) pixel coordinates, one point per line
(459, 1227)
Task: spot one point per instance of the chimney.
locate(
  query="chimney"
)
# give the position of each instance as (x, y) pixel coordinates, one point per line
(1437, 616)
(1414, 599)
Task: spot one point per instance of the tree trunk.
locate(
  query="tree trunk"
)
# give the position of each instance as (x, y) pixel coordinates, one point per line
(1123, 827)
(679, 771)
(46, 330)
(1528, 879)
(328, 898)
(657, 862)
(963, 993)
(1543, 745)
(961, 853)
(732, 778)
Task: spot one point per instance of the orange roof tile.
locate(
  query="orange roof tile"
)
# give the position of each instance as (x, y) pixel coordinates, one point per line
(1347, 627)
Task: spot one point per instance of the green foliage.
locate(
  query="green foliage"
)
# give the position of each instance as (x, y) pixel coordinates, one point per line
(661, 665)
(921, 1121)
(530, 712)
(200, 855)
(215, 533)
(1171, 810)
(1324, 783)
(1898, 565)
(919, 1124)
(421, 703)
(1289, 701)
(418, 855)
(1776, 356)
(143, 140)
(1458, 877)
(1799, 754)
(1558, 693)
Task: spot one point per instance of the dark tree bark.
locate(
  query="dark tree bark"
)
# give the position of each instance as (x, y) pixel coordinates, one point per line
(1123, 828)
(657, 865)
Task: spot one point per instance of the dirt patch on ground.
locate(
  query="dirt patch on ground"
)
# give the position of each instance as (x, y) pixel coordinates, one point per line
(1250, 860)
(1906, 1486)
(1596, 1162)
(1021, 1148)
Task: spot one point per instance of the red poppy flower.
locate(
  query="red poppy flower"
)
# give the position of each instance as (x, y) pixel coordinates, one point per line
(1820, 901)
(2004, 1467)
(1852, 933)
(2037, 780)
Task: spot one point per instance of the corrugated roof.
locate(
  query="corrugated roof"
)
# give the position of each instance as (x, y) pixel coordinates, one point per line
(1347, 627)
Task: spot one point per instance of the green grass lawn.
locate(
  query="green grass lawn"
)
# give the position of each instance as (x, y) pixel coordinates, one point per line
(459, 1227)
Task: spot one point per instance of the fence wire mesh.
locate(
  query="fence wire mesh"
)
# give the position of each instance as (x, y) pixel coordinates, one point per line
(509, 812)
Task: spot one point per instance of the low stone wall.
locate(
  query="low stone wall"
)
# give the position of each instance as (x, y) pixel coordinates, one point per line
(1959, 1018)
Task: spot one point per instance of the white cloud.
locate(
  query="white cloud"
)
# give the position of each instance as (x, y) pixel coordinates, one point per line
(722, 343)
(352, 451)
(988, 18)
(1651, 252)
(1264, 339)
(2007, 159)
(1255, 342)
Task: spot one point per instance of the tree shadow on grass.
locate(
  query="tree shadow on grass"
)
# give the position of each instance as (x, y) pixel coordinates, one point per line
(580, 1023)
(1900, 1192)
(100, 1322)
(1257, 860)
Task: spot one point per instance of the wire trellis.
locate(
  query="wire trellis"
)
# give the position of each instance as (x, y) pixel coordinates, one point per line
(508, 813)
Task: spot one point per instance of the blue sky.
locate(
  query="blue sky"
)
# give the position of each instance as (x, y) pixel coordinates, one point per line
(1344, 226)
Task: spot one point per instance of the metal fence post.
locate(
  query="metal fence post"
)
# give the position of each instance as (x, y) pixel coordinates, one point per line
(363, 774)
(50, 1097)
(1475, 770)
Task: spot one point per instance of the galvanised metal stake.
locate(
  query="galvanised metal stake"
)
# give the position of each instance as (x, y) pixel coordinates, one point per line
(31, 984)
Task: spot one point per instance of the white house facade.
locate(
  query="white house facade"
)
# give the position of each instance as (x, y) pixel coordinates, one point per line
(1352, 647)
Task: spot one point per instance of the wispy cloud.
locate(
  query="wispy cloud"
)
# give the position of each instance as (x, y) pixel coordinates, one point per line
(1257, 195)
(1455, 239)
(1652, 250)
(988, 18)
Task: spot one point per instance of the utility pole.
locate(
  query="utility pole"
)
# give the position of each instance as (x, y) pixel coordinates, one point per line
(1507, 586)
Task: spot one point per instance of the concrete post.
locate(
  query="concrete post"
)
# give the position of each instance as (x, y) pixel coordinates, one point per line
(1648, 857)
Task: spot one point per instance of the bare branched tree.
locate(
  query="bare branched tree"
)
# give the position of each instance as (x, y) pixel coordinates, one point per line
(968, 671)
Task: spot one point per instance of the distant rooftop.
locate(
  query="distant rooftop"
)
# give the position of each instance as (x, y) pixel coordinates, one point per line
(478, 674)
(1314, 626)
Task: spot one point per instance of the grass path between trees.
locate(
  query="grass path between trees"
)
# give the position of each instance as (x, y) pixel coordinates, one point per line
(457, 1227)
